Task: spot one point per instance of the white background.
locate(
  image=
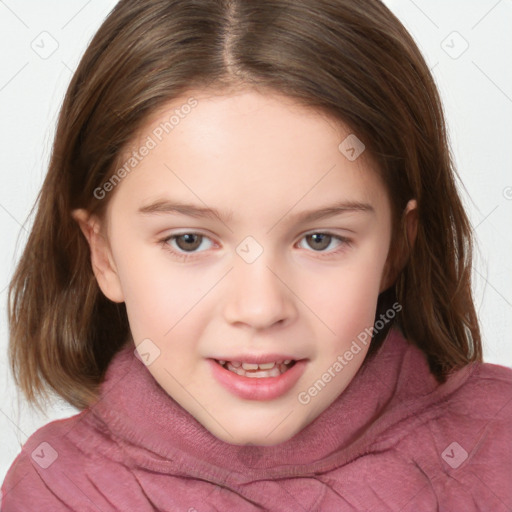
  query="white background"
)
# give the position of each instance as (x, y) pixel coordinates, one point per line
(476, 88)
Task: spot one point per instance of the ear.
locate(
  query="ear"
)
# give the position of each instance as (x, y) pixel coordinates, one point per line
(399, 255)
(102, 261)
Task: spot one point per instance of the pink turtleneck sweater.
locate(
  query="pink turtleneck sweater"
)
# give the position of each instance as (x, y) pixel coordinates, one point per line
(394, 440)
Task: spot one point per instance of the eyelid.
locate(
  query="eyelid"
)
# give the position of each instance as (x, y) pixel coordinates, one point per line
(195, 231)
(345, 243)
(175, 235)
(343, 240)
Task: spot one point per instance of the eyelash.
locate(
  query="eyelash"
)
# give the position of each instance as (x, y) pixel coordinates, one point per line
(345, 243)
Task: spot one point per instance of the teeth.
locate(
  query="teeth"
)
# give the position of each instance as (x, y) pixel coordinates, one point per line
(266, 366)
(249, 366)
(256, 371)
(255, 366)
(274, 372)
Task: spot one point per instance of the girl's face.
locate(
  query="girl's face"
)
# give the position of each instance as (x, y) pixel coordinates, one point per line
(250, 230)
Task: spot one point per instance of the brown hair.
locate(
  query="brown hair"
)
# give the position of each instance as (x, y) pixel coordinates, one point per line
(350, 59)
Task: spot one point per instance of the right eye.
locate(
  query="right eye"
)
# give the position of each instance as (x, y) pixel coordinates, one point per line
(185, 243)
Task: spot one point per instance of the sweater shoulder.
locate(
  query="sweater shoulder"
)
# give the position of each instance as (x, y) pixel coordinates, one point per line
(51, 471)
(485, 394)
(481, 405)
(463, 441)
(489, 372)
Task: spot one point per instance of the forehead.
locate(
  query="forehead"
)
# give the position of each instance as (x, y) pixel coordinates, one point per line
(225, 148)
(217, 119)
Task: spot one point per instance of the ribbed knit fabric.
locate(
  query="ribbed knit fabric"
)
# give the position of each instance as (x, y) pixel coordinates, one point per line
(394, 440)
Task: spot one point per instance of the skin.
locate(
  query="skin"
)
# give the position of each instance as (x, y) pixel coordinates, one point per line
(264, 158)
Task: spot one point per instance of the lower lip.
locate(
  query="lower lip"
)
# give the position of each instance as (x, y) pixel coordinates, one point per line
(263, 388)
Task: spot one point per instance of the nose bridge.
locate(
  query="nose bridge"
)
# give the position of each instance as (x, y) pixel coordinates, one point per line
(258, 297)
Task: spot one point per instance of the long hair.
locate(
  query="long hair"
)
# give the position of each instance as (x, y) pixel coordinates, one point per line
(351, 59)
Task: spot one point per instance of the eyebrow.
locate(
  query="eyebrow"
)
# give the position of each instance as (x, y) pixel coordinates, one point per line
(170, 207)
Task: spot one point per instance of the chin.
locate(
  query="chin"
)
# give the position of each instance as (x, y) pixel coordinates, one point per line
(256, 435)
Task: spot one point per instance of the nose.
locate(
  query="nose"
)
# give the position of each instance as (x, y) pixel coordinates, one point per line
(258, 296)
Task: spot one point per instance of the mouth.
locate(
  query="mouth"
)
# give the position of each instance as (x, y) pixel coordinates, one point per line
(258, 381)
(257, 370)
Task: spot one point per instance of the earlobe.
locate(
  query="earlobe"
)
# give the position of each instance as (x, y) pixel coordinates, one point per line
(102, 262)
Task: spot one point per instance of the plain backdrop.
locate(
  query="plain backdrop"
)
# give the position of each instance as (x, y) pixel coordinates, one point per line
(467, 45)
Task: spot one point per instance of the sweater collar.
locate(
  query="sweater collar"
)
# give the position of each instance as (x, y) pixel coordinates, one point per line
(154, 431)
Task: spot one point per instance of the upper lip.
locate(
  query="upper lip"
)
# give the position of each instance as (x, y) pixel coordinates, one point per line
(258, 358)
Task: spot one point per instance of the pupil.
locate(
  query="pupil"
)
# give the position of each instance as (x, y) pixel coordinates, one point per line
(191, 241)
(321, 239)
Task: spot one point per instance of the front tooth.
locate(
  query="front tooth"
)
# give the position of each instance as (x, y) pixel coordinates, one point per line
(274, 372)
(266, 366)
(249, 366)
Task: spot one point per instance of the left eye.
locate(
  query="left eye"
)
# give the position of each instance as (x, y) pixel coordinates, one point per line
(321, 241)
(187, 242)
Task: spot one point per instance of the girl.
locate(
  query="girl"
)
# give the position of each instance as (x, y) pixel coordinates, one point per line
(250, 269)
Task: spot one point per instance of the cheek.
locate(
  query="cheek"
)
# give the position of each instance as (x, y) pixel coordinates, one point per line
(163, 298)
(348, 303)
(345, 297)
(153, 290)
